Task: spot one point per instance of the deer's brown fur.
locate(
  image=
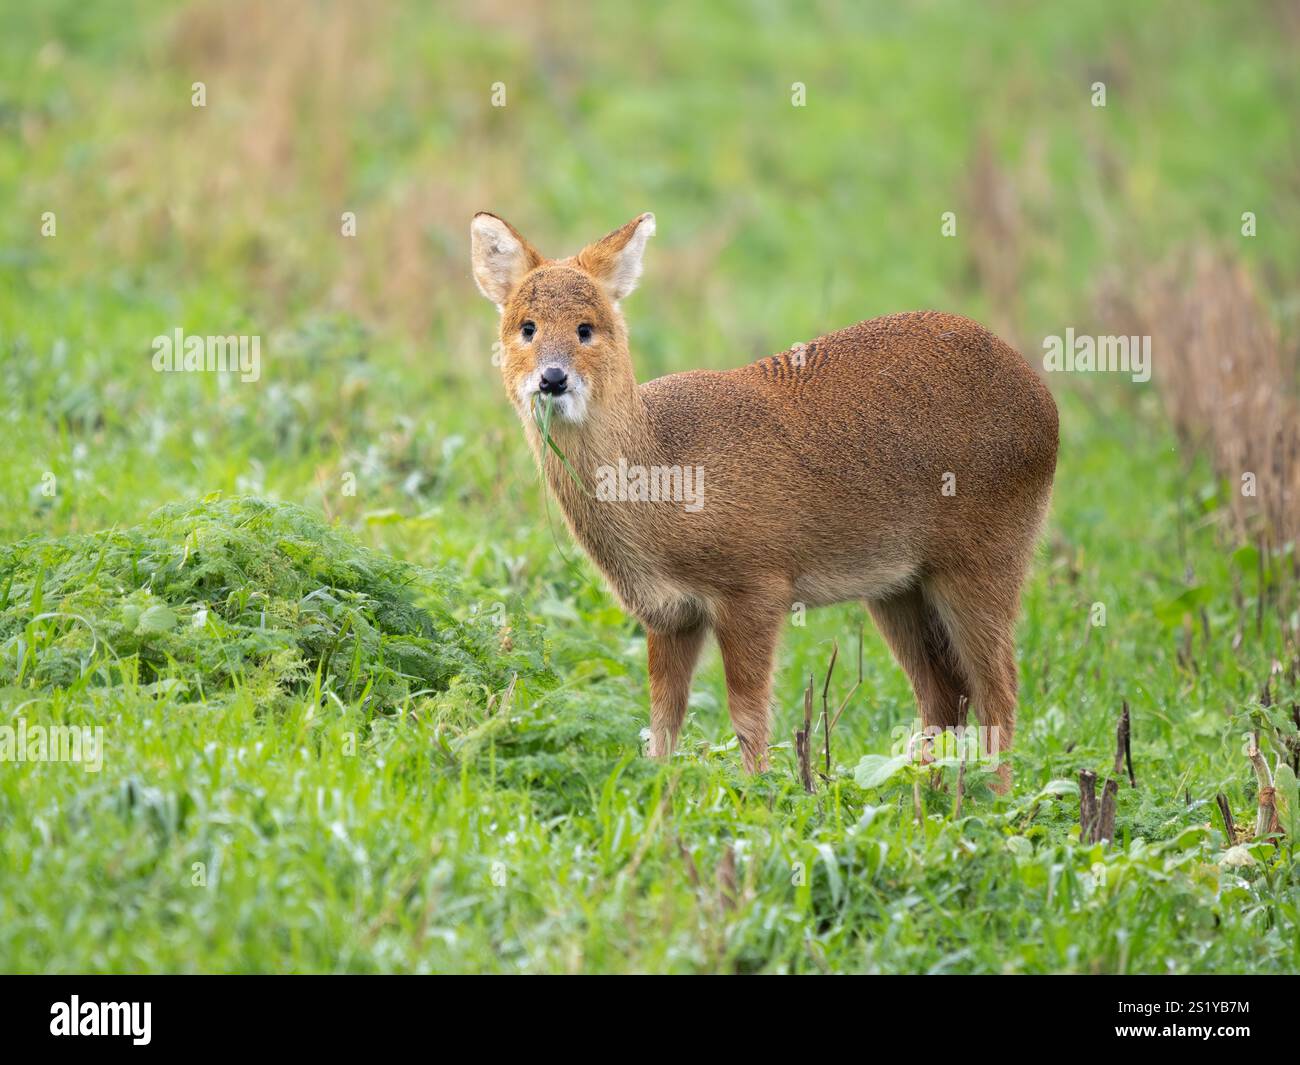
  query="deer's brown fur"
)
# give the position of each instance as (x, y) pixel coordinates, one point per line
(825, 470)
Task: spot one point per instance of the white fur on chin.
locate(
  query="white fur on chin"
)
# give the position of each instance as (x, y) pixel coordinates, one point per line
(570, 407)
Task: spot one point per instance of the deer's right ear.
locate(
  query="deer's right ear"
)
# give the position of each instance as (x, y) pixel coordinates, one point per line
(500, 257)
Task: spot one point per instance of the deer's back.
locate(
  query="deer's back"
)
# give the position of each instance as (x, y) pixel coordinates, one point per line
(898, 437)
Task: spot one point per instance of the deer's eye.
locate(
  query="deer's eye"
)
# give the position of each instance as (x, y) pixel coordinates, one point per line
(584, 333)
(527, 330)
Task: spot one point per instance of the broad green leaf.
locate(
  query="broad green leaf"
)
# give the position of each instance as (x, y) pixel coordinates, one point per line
(157, 618)
(1020, 846)
(1288, 800)
(1246, 558)
(875, 770)
(1172, 611)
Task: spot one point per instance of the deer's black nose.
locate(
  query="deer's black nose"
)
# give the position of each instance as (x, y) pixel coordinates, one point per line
(554, 381)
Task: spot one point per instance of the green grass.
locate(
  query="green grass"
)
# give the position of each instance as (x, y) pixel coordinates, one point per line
(361, 712)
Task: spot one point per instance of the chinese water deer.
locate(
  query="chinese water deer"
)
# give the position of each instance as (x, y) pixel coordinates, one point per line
(906, 461)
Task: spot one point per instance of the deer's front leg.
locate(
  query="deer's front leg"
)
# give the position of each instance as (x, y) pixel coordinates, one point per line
(672, 658)
(748, 632)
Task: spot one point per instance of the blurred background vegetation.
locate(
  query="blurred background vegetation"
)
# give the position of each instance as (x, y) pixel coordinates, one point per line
(776, 223)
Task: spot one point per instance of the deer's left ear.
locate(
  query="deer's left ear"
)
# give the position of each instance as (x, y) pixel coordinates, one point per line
(500, 257)
(615, 260)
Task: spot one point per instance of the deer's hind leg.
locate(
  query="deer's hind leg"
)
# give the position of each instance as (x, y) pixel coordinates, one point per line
(919, 640)
(980, 617)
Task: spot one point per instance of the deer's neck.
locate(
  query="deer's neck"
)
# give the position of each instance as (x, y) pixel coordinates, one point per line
(620, 538)
(618, 430)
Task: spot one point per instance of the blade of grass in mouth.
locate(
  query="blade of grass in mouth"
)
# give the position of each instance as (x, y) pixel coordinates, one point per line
(543, 410)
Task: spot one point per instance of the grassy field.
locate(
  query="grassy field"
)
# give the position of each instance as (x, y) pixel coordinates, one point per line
(365, 707)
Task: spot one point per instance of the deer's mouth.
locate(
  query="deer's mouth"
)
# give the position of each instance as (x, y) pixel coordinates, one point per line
(567, 405)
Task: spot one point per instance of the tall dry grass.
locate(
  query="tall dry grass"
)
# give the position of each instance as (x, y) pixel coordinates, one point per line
(992, 203)
(253, 185)
(1227, 380)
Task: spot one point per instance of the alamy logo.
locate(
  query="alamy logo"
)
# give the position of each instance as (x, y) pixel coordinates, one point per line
(651, 484)
(178, 353)
(934, 744)
(102, 1018)
(53, 743)
(1101, 354)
